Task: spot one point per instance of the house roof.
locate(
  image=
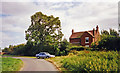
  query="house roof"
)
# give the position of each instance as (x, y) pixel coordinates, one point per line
(79, 34)
(76, 35)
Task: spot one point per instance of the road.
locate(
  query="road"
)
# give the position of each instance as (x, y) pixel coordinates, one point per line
(33, 64)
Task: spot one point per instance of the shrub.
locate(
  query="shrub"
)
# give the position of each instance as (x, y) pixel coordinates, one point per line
(78, 48)
(62, 53)
(92, 61)
(109, 42)
(74, 52)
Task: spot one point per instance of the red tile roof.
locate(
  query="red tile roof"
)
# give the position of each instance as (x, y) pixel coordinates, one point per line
(76, 35)
(79, 34)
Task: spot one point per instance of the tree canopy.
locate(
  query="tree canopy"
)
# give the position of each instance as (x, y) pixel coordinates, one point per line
(110, 40)
(111, 32)
(44, 29)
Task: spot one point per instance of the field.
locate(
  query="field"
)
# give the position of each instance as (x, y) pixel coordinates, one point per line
(87, 61)
(11, 64)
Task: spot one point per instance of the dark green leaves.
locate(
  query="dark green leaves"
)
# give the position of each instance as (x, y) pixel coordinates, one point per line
(44, 29)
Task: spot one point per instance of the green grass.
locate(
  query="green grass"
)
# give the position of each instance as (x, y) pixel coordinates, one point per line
(88, 61)
(18, 56)
(57, 61)
(0, 63)
(11, 64)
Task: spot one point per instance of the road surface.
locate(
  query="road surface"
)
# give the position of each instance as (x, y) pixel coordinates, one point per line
(33, 64)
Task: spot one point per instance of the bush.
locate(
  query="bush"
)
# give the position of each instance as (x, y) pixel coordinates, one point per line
(64, 47)
(92, 61)
(78, 48)
(74, 52)
(109, 42)
(30, 48)
(62, 53)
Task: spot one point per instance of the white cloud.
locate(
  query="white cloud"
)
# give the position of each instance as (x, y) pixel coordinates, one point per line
(78, 16)
(5, 36)
(12, 28)
(59, 0)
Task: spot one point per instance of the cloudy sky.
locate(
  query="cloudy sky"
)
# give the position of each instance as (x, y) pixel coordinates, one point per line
(78, 15)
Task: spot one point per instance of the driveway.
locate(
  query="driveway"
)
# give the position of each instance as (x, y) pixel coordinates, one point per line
(33, 64)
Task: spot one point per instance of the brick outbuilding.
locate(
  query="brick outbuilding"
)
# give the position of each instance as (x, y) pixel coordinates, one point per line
(85, 38)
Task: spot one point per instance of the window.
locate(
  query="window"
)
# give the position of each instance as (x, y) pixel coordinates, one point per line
(40, 53)
(43, 53)
(86, 39)
(86, 45)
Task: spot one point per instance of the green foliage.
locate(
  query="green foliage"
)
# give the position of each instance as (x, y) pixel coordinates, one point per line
(44, 29)
(6, 49)
(64, 44)
(93, 45)
(57, 52)
(109, 42)
(78, 48)
(44, 33)
(92, 61)
(74, 52)
(64, 47)
(113, 32)
(11, 64)
(105, 32)
(12, 49)
(62, 53)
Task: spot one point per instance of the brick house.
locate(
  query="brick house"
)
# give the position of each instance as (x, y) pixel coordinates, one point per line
(85, 38)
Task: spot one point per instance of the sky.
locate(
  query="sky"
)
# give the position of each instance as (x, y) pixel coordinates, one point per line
(79, 15)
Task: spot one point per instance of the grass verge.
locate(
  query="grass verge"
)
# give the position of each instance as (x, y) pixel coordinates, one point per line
(11, 64)
(18, 56)
(57, 61)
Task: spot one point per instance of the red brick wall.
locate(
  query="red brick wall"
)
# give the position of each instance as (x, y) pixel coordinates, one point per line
(83, 39)
(74, 40)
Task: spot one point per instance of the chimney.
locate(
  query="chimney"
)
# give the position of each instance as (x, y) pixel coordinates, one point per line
(97, 28)
(93, 31)
(72, 31)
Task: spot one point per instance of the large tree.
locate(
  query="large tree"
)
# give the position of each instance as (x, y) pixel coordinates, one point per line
(44, 29)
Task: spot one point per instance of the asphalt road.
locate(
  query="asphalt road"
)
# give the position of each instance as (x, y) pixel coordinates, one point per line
(33, 64)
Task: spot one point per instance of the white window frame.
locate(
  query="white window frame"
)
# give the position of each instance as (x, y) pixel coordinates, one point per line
(86, 38)
(87, 46)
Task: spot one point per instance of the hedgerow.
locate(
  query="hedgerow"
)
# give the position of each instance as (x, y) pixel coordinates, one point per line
(92, 61)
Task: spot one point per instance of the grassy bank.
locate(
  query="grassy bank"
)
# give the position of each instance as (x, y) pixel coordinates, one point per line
(11, 64)
(18, 56)
(88, 61)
